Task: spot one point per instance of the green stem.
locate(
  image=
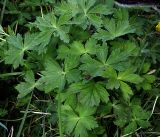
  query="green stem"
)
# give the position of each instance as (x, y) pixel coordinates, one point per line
(24, 117)
(3, 9)
(2, 39)
(59, 115)
(10, 74)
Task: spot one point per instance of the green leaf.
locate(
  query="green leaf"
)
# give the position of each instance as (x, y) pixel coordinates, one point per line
(63, 52)
(126, 45)
(3, 112)
(112, 75)
(53, 77)
(76, 49)
(95, 20)
(123, 113)
(140, 113)
(72, 73)
(149, 78)
(78, 121)
(147, 82)
(70, 7)
(121, 14)
(92, 93)
(143, 123)
(112, 83)
(24, 88)
(84, 12)
(89, 94)
(129, 77)
(51, 25)
(43, 38)
(15, 54)
(130, 128)
(101, 9)
(102, 53)
(146, 67)
(116, 81)
(126, 90)
(141, 116)
(116, 58)
(92, 66)
(114, 29)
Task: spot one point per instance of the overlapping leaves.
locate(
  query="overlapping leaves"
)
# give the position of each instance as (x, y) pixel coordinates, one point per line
(54, 76)
(84, 12)
(89, 94)
(131, 117)
(85, 69)
(121, 79)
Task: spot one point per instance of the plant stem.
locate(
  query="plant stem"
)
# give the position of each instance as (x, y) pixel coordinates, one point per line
(3, 9)
(24, 117)
(59, 115)
(2, 39)
(10, 74)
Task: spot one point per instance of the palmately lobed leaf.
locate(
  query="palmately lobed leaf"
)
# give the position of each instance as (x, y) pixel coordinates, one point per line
(114, 29)
(53, 76)
(130, 77)
(24, 88)
(77, 49)
(55, 26)
(78, 122)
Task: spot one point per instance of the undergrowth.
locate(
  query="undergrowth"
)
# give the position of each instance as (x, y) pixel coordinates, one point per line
(78, 68)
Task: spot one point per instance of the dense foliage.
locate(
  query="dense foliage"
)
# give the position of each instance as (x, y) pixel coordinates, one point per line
(78, 68)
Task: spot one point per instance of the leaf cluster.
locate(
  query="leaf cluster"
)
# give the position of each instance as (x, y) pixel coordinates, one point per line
(95, 64)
